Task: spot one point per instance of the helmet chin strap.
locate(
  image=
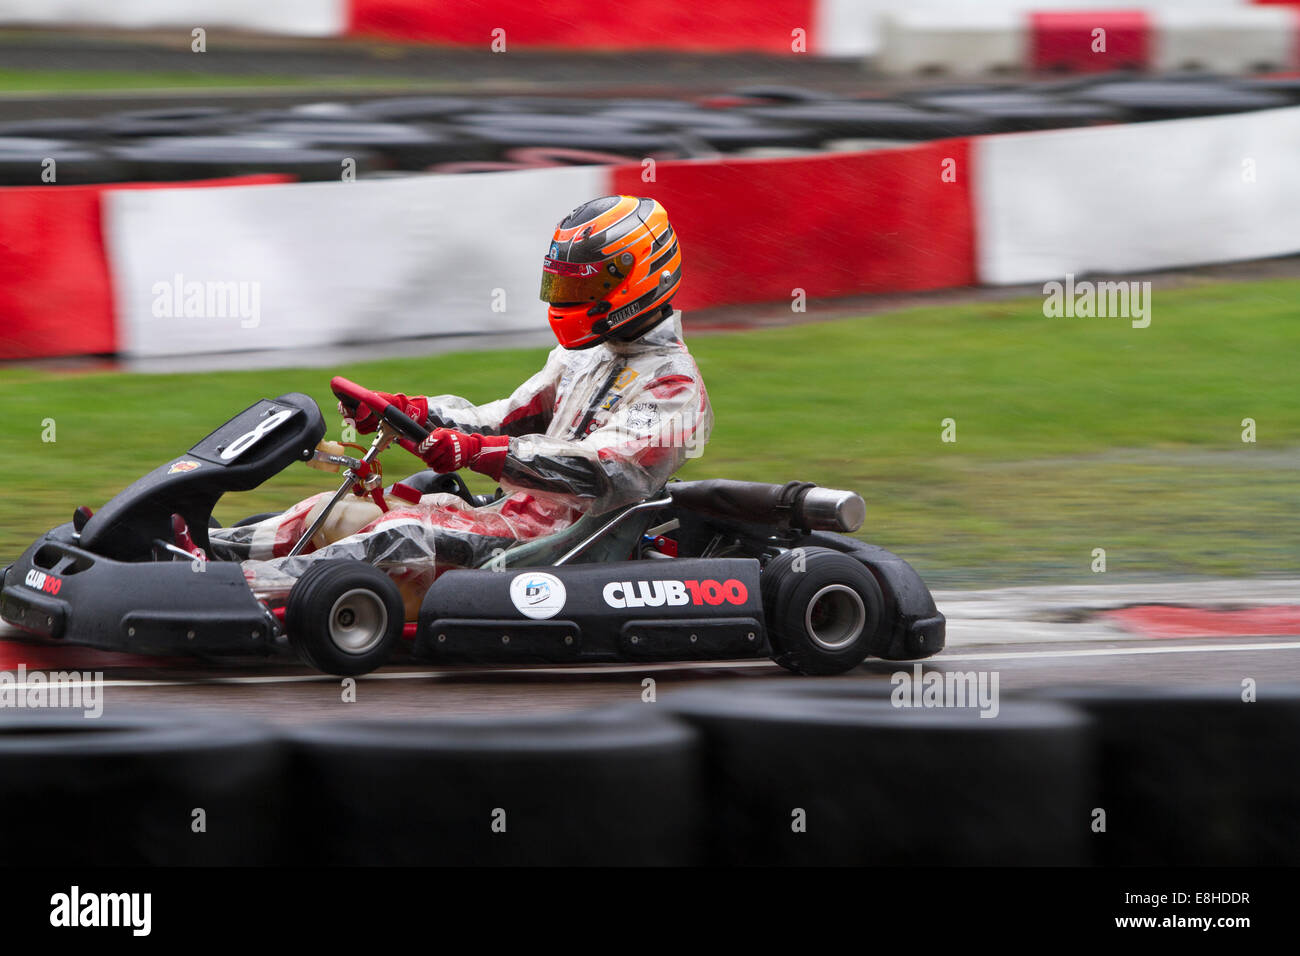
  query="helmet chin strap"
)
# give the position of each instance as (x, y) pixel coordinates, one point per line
(640, 326)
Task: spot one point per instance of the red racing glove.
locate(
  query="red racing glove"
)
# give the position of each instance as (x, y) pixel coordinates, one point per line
(448, 450)
(367, 419)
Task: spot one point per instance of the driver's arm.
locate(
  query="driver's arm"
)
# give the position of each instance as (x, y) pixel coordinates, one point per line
(527, 410)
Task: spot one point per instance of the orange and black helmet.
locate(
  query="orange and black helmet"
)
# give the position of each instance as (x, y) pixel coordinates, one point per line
(612, 270)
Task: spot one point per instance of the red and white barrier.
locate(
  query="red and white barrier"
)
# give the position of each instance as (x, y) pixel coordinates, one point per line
(316, 18)
(56, 294)
(336, 263)
(1139, 197)
(1014, 36)
(720, 25)
(908, 35)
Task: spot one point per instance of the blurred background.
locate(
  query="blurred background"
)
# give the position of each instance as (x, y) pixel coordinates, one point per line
(205, 202)
(871, 198)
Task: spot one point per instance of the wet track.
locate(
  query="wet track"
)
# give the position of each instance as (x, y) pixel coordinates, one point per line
(1029, 637)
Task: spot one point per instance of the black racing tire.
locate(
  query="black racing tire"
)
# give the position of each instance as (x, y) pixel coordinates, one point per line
(1288, 86)
(78, 128)
(1174, 99)
(616, 787)
(121, 790)
(406, 147)
(874, 120)
(76, 162)
(170, 121)
(238, 154)
(1193, 776)
(780, 94)
(822, 610)
(883, 785)
(323, 112)
(571, 105)
(562, 122)
(344, 617)
(1016, 111)
(624, 142)
(414, 108)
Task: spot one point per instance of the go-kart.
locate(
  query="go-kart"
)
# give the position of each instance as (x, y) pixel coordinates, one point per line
(705, 570)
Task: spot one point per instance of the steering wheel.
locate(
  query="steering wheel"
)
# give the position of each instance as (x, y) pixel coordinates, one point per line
(352, 394)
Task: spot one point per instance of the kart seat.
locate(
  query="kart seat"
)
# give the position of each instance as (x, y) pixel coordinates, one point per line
(544, 551)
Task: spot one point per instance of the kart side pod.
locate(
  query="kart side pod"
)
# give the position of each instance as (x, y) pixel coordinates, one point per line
(691, 609)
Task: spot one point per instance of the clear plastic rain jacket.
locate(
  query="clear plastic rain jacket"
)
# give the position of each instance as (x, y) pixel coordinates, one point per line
(594, 430)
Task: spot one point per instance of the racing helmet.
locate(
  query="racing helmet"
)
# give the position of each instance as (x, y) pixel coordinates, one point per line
(611, 272)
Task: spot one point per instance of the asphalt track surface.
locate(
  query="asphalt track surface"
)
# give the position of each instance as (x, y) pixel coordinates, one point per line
(1029, 637)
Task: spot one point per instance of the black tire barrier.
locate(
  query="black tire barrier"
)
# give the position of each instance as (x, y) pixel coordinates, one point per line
(571, 105)
(719, 774)
(647, 103)
(55, 128)
(214, 157)
(408, 108)
(1073, 83)
(462, 134)
(1014, 112)
(122, 790)
(561, 122)
(1176, 99)
(650, 117)
(623, 142)
(609, 787)
(402, 146)
(1193, 776)
(750, 136)
(1288, 86)
(311, 112)
(24, 162)
(170, 121)
(883, 120)
(716, 128)
(780, 94)
(872, 784)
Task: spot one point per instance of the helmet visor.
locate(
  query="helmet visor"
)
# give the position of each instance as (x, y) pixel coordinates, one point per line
(577, 281)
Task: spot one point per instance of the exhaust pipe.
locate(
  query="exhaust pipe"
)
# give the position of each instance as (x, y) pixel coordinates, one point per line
(826, 509)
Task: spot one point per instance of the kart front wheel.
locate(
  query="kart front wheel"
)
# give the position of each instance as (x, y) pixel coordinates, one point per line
(822, 609)
(344, 617)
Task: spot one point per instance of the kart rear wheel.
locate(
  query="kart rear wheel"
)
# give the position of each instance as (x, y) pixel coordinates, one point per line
(822, 608)
(344, 617)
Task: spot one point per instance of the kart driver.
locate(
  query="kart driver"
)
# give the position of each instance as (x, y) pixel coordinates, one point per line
(615, 411)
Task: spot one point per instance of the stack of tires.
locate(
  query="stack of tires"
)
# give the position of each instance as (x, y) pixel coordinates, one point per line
(402, 135)
(770, 772)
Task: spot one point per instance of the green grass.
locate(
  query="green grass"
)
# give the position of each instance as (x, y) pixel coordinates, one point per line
(81, 81)
(1072, 434)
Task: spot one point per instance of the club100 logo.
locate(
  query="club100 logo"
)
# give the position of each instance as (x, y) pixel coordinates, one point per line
(622, 594)
(43, 582)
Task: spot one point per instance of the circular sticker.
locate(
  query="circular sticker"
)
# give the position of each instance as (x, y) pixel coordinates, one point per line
(537, 595)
